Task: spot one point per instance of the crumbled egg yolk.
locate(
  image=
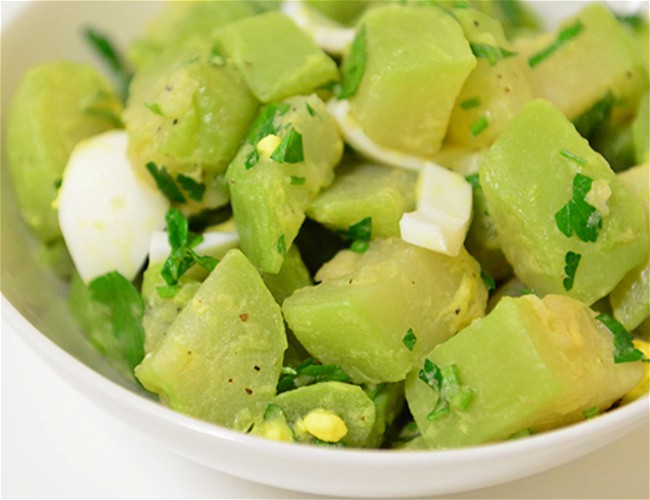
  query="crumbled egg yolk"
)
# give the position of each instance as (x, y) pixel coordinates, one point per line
(644, 384)
(324, 425)
(599, 195)
(268, 144)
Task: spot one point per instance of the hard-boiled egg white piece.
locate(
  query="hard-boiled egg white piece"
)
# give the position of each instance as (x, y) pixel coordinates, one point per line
(364, 145)
(443, 211)
(106, 212)
(215, 244)
(328, 35)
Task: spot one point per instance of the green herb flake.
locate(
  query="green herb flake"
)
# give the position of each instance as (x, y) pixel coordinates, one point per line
(571, 261)
(58, 182)
(474, 180)
(290, 149)
(592, 412)
(491, 53)
(578, 160)
(479, 126)
(577, 216)
(488, 280)
(449, 388)
(216, 57)
(195, 190)
(182, 256)
(624, 350)
(252, 159)
(264, 124)
(308, 373)
(297, 181)
(472, 102)
(113, 59)
(165, 183)
(599, 112)
(154, 108)
(281, 245)
(310, 110)
(354, 66)
(360, 233)
(634, 21)
(410, 339)
(565, 34)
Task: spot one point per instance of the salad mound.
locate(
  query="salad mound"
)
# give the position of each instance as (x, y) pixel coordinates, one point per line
(402, 224)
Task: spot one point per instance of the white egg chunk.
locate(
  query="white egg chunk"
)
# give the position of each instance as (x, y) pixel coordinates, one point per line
(215, 244)
(107, 213)
(364, 145)
(443, 211)
(328, 34)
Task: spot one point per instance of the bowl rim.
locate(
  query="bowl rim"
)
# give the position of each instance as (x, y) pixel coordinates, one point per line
(629, 416)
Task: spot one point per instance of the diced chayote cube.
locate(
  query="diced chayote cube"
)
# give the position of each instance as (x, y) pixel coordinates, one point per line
(375, 314)
(529, 365)
(416, 61)
(288, 157)
(359, 191)
(276, 58)
(565, 222)
(220, 360)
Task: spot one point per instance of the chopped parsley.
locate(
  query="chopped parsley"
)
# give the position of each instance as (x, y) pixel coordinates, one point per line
(182, 256)
(472, 102)
(264, 124)
(565, 34)
(290, 149)
(307, 373)
(310, 110)
(592, 412)
(354, 66)
(624, 350)
(172, 188)
(154, 108)
(360, 233)
(252, 159)
(409, 339)
(474, 180)
(297, 181)
(571, 261)
(447, 384)
(578, 160)
(491, 53)
(478, 126)
(488, 280)
(577, 216)
(281, 245)
(113, 59)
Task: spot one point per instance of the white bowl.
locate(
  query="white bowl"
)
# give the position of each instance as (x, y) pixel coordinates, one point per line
(33, 305)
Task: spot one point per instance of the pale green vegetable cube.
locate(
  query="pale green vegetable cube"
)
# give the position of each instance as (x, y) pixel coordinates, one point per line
(276, 58)
(375, 314)
(416, 62)
(565, 222)
(359, 191)
(220, 360)
(530, 365)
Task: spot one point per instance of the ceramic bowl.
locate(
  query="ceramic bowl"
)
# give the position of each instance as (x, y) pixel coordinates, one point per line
(33, 305)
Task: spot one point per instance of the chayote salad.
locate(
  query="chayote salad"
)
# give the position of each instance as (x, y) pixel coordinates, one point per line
(399, 224)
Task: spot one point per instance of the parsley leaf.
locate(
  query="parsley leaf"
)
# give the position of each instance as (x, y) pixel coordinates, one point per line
(360, 233)
(571, 261)
(281, 245)
(472, 102)
(599, 112)
(410, 339)
(194, 189)
(592, 412)
(578, 160)
(565, 34)
(307, 373)
(578, 216)
(624, 350)
(488, 280)
(116, 63)
(252, 159)
(154, 108)
(447, 384)
(165, 183)
(490, 52)
(354, 65)
(264, 124)
(474, 180)
(290, 149)
(479, 126)
(182, 256)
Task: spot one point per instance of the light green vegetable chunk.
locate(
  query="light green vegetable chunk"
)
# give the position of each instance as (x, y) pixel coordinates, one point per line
(641, 131)
(394, 103)
(188, 112)
(292, 275)
(341, 11)
(375, 314)
(289, 156)
(276, 58)
(530, 364)
(389, 401)
(55, 106)
(554, 201)
(496, 89)
(359, 191)
(336, 401)
(220, 359)
(630, 299)
(587, 58)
